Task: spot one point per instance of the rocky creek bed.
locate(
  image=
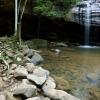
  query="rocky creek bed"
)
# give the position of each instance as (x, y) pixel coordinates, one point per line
(22, 76)
(77, 69)
(55, 73)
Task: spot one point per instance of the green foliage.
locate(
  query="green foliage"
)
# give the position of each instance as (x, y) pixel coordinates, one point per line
(53, 8)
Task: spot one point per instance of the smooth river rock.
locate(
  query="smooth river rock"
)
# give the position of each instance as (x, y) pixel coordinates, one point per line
(21, 71)
(38, 80)
(25, 89)
(41, 72)
(39, 98)
(59, 95)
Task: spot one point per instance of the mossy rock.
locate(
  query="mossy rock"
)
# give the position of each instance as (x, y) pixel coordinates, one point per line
(37, 43)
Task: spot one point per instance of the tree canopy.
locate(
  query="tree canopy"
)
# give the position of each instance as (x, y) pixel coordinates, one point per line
(53, 8)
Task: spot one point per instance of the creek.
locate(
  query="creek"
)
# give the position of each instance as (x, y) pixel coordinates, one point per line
(77, 70)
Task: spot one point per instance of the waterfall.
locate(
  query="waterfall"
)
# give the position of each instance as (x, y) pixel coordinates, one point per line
(87, 24)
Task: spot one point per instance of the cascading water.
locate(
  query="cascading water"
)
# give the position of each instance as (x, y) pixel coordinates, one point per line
(87, 14)
(87, 24)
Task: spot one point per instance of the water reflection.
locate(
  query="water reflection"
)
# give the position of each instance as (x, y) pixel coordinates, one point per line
(74, 65)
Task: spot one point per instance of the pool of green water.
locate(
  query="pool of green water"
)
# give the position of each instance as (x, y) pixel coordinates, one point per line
(76, 70)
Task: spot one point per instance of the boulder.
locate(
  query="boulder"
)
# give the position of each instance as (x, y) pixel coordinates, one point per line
(59, 95)
(41, 72)
(13, 66)
(1, 83)
(49, 84)
(28, 90)
(30, 67)
(98, 83)
(36, 59)
(39, 98)
(93, 77)
(2, 97)
(36, 79)
(21, 71)
(60, 44)
(30, 53)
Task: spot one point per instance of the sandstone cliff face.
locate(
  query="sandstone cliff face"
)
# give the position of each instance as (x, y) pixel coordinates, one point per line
(82, 9)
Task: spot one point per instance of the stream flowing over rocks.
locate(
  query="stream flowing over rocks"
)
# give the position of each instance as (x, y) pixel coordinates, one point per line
(26, 80)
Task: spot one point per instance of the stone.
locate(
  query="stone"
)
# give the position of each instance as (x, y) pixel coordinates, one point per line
(30, 67)
(30, 53)
(25, 50)
(11, 72)
(49, 84)
(38, 80)
(39, 98)
(13, 66)
(41, 72)
(98, 83)
(93, 77)
(57, 51)
(10, 96)
(60, 44)
(5, 78)
(10, 54)
(20, 72)
(27, 81)
(62, 83)
(59, 95)
(2, 97)
(25, 89)
(36, 59)
(19, 59)
(1, 83)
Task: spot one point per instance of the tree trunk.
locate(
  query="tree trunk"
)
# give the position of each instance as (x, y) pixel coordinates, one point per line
(16, 17)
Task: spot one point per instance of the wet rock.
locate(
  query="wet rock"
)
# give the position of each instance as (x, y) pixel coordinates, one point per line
(60, 44)
(36, 59)
(39, 98)
(98, 83)
(41, 72)
(93, 77)
(30, 67)
(49, 84)
(25, 49)
(38, 80)
(62, 83)
(20, 72)
(57, 51)
(25, 89)
(30, 53)
(59, 94)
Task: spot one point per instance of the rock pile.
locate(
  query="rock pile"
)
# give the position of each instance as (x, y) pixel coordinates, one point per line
(25, 79)
(34, 83)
